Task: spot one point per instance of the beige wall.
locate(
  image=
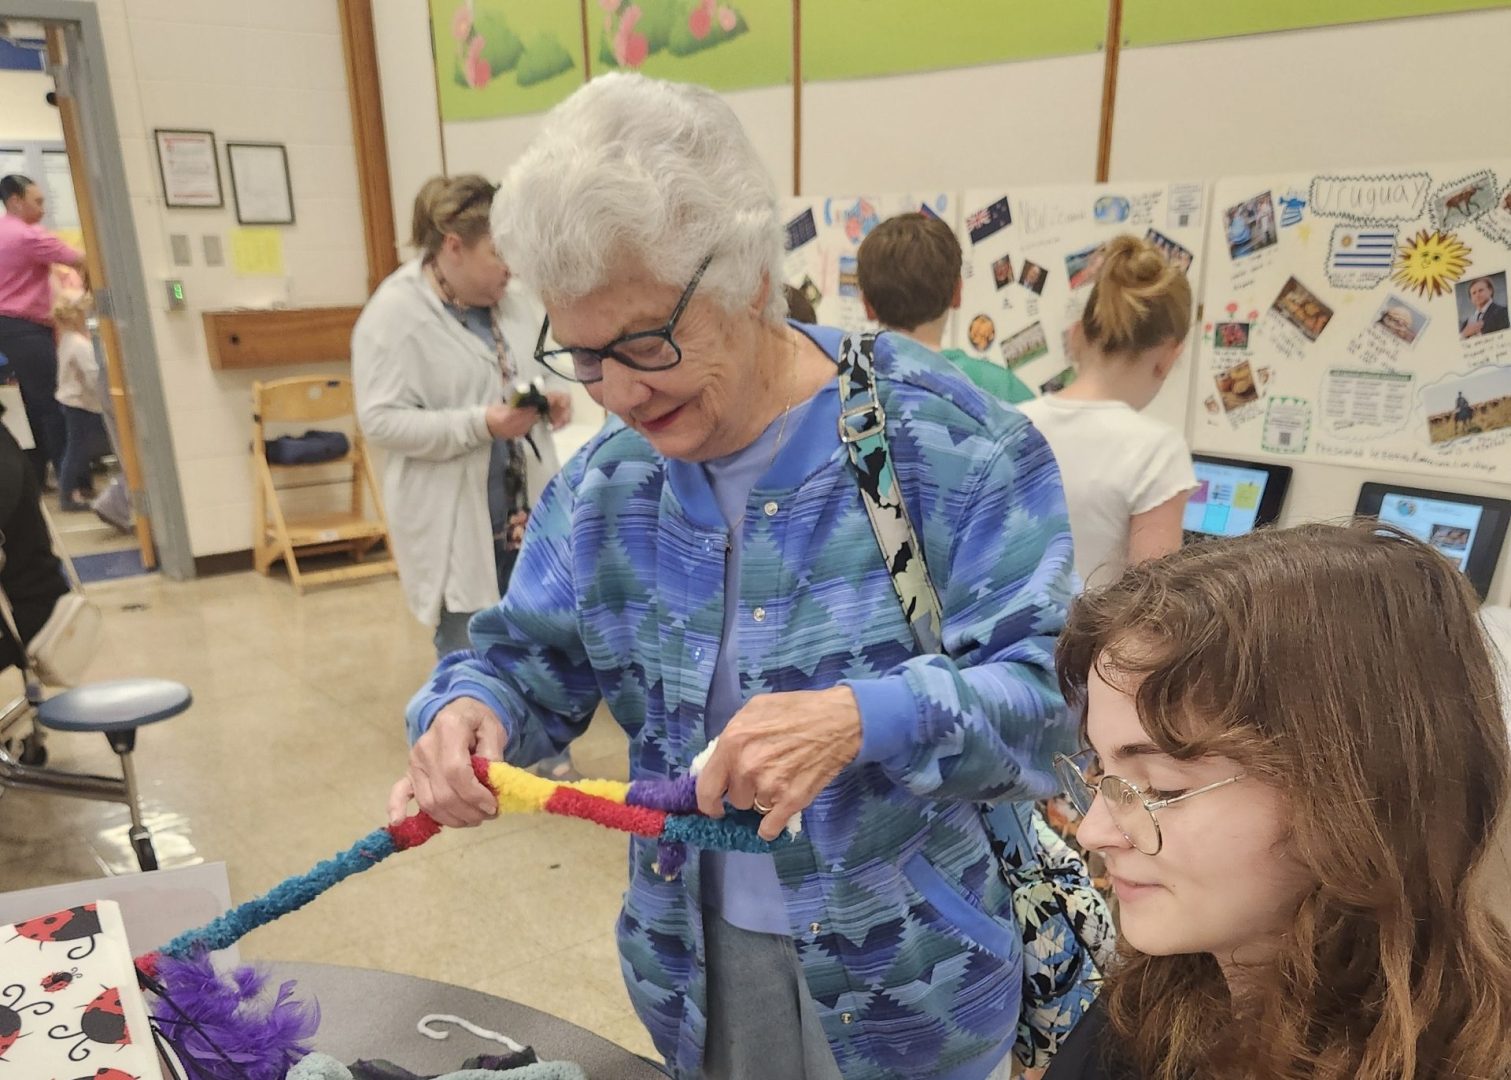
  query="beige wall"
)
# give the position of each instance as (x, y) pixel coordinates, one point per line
(25, 115)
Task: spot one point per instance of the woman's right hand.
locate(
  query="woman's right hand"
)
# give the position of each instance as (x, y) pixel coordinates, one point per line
(440, 776)
(507, 422)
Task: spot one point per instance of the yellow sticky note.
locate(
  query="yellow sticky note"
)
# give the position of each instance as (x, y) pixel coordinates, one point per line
(1245, 496)
(257, 252)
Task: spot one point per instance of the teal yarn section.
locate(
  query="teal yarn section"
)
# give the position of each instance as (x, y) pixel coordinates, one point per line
(287, 896)
(736, 831)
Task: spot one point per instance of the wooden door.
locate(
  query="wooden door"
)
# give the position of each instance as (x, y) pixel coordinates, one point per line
(120, 393)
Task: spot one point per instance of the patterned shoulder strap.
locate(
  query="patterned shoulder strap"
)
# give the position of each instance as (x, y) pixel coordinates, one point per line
(863, 430)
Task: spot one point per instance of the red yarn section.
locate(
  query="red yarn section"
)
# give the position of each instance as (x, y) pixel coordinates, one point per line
(147, 965)
(413, 830)
(569, 802)
(480, 770)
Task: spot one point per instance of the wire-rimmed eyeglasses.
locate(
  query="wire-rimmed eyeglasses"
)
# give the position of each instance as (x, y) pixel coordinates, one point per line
(1132, 810)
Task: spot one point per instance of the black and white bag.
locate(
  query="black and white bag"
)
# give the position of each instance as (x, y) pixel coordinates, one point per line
(1067, 928)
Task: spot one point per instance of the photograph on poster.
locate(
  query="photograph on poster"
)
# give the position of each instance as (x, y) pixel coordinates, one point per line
(982, 332)
(1300, 307)
(1231, 335)
(1464, 200)
(1400, 320)
(1173, 252)
(1250, 226)
(849, 276)
(1027, 344)
(1472, 404)
(1002, 272)
(1083, 266)
(1236, 387)
(1482, 305)
(1033, 278)
(1059, 382)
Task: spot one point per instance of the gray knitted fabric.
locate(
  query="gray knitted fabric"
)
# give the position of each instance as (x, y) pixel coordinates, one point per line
(325, 1067)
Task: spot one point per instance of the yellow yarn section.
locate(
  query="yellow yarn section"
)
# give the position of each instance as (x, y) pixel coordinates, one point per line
(519, 792)
(613, 790)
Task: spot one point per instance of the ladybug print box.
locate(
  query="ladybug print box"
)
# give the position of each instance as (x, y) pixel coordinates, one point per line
(69, 1003)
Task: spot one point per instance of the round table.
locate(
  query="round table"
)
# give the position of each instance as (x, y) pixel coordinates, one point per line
(374, 1015)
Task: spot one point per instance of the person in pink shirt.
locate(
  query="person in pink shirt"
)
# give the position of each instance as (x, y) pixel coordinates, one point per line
(27, 255)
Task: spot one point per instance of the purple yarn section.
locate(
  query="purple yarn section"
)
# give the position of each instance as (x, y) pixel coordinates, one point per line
(670, 858)
(679, 796)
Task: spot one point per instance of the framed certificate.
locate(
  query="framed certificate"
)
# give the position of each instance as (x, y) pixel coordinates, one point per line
(260, 183)
(190, 169)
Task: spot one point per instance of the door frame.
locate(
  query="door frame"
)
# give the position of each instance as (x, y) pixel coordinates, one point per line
(126, 301)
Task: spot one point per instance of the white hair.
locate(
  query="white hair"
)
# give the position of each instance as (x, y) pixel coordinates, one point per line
(660, 174)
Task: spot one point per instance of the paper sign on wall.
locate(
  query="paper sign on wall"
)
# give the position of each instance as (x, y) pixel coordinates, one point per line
(257, 252)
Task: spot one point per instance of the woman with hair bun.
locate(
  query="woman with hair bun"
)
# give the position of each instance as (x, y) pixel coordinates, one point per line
(1127, 476)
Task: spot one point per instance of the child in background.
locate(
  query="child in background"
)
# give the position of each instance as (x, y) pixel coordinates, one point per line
(1127, 476)
(1297, 761)
(79, 396)
(909, 270)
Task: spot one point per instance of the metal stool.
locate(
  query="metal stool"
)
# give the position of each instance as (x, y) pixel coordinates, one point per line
(116, 709)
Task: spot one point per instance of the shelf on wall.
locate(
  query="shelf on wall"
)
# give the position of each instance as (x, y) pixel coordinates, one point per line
(280, 337)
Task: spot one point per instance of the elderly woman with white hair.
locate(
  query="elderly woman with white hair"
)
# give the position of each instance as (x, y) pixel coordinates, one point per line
(708, 566)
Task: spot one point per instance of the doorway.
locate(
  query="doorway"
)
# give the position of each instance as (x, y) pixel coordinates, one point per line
(126, 515)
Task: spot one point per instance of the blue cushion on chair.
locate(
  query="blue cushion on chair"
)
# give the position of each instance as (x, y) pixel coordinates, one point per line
(119, 705)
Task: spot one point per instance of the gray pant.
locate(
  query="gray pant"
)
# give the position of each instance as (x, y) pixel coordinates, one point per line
(762, 1022)
(451, 632)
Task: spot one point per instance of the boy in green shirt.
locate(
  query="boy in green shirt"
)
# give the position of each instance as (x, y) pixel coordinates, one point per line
(909, 269)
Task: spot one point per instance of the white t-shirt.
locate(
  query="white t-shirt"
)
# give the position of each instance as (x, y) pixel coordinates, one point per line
(78, 373)
(1115, 463)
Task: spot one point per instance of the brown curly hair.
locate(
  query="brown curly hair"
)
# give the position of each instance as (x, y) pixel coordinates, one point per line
(1345, 666)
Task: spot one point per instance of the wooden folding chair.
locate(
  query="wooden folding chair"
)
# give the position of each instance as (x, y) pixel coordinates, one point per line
(279, 534)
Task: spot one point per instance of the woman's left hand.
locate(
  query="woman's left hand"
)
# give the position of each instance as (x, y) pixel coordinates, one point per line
(561, 408)
(781, 749)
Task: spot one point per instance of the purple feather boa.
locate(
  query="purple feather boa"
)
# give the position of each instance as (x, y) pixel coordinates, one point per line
(227, 1026)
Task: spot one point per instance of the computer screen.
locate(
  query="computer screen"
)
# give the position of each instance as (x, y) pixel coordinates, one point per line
(1448, 526)
(1234, 497)
(1468, 529)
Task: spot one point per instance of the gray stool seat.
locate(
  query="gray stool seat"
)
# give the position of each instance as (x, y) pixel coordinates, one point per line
(115, 706)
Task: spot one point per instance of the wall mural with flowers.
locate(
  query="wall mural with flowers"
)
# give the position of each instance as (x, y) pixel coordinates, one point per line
(505, 57)
(725, 44)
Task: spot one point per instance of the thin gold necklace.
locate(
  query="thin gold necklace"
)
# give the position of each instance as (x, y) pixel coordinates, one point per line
(786, 411)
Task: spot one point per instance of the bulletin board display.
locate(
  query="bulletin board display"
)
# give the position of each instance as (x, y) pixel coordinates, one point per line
(1032, 256)
(1359, 317)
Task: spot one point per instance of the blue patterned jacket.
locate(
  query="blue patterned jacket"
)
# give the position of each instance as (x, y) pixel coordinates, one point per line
(904, 928)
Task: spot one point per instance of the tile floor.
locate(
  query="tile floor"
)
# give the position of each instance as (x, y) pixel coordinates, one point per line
(286, 757)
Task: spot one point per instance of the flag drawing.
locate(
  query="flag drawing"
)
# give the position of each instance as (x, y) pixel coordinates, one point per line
(1360, 257)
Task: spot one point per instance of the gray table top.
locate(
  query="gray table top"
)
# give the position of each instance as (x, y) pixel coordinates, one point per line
(374, 1014)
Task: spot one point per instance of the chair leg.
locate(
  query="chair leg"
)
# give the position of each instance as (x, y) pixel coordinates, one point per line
(123, 742)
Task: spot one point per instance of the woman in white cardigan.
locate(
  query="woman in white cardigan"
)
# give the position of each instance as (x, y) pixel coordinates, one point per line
(442, 347)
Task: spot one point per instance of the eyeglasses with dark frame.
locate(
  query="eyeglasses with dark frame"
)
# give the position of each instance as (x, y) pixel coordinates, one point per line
(644, 350)
(1132, 810)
